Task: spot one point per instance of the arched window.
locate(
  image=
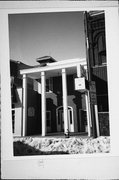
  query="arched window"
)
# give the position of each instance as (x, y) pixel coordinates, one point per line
(100, 49)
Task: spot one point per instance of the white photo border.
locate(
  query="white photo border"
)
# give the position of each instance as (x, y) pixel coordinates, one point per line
(9, 161)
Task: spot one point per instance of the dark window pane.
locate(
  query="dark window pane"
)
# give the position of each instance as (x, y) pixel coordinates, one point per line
(70, 116)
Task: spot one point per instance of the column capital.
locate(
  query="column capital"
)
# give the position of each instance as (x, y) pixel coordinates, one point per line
(24, 76)
(63, 70)
(43, 73)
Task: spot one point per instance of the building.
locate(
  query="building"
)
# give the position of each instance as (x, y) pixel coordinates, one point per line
(50, 100)
(97, 64)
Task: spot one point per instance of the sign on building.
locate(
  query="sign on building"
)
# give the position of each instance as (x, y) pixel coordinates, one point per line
(92, 88)
(81, 84)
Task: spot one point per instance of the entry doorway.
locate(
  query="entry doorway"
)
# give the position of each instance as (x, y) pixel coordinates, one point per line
(60, 119)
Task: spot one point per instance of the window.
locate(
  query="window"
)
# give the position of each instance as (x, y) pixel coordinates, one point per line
(59, 118)
(49, 85)
(48, 118)
(100, 50)
(102, 103)
(82, 120)
(70, 113)
(13, 118)
(102, 58)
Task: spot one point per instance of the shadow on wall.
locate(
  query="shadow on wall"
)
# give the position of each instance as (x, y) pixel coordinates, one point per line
(22, 149)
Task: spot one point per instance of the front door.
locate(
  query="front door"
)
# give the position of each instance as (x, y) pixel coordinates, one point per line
(60, 120)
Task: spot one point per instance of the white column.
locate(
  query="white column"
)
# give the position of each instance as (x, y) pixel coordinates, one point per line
(24, 126)
(43, 103)
(97, 120)
(88, 114)
(65, 106)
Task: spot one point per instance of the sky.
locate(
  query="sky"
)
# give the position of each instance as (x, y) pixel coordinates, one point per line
(60, 35)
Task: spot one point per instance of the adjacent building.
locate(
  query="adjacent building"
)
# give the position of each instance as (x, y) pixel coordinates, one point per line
(97, 64)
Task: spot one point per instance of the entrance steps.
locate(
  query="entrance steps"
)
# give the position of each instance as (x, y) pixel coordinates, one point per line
(59, 135)
(72, 134)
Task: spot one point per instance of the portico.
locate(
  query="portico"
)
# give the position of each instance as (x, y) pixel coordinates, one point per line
(64, 68)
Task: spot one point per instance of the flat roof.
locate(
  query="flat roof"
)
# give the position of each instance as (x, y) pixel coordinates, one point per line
(53, 69)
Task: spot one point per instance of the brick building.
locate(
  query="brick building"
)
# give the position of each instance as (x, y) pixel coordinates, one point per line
(97, 64)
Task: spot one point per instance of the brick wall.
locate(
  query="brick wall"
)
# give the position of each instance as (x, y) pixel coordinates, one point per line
(104, 124)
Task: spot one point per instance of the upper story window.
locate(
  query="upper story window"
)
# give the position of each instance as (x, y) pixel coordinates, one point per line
(49, 85)
(102, 58)
(100, 50)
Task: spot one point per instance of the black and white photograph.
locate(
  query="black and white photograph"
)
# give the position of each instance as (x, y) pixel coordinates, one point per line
(59, 90)
(59, 86)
